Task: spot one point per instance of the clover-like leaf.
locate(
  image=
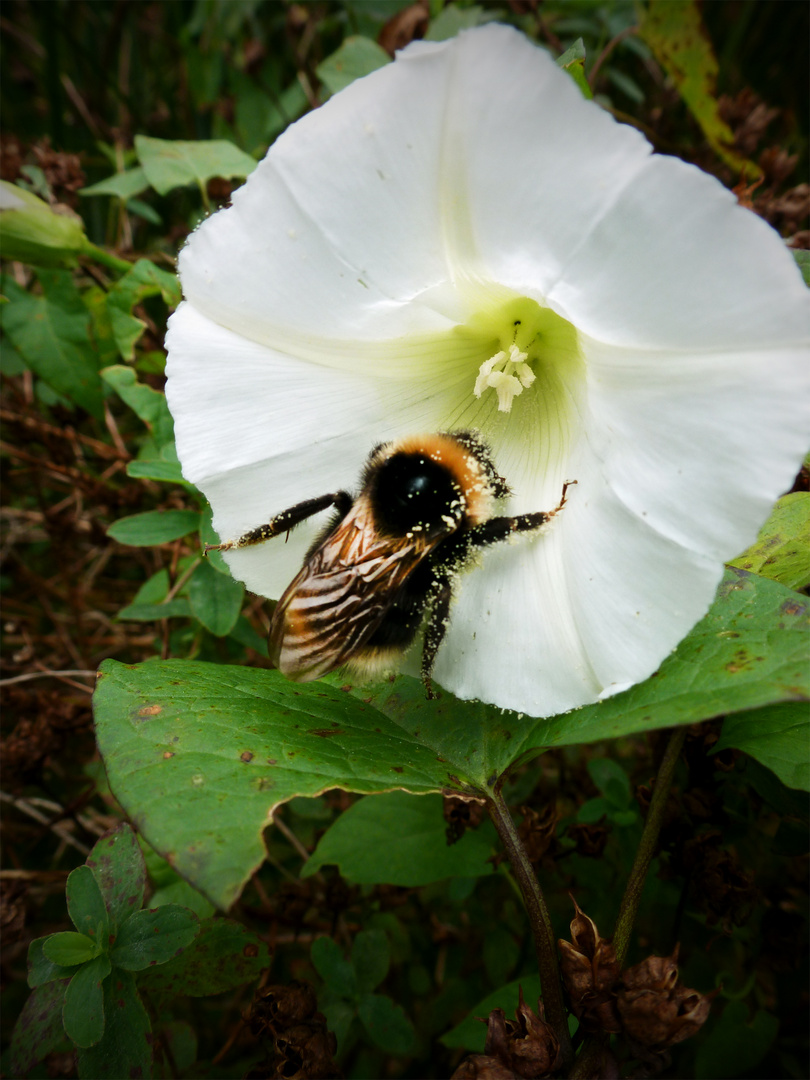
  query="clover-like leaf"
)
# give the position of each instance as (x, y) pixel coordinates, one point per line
(126, 1046)
(83, 1010)
(118, 867)
(224, 955)
(39, 1028)
(153, 937)
(86, 906)
(330, 963)
(69, 948)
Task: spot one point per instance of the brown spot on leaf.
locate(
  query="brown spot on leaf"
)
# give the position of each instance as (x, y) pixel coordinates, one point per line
(168, 754)
(325, 733)
(246, 756)
(150, 710)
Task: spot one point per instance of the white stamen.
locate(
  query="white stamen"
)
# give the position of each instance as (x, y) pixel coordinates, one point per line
(507, 375)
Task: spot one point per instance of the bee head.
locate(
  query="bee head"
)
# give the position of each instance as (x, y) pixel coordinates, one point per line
(410, 492)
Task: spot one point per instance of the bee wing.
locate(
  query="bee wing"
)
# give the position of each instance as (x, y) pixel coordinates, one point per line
(340, 596)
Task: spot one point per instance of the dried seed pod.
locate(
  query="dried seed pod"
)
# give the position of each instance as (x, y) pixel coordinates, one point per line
(590, 971)
(655, 1010)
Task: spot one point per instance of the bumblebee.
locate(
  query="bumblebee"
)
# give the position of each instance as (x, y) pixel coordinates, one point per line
(388, 556)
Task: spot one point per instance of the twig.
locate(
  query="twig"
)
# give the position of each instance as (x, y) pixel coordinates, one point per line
(47, 674)
(608, 49)
(542, 931)
(25, 807)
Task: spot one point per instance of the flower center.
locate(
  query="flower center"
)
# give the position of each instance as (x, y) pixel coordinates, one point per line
(519, 340)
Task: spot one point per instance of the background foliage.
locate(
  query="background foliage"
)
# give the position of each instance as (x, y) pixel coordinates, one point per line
(105, 105)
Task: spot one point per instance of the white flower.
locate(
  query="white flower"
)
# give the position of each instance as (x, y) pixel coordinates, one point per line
(460, 240)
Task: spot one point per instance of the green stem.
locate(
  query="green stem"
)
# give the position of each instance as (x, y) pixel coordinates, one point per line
(542, 931)
(646, 848)
(112, 262)
(589, 1060)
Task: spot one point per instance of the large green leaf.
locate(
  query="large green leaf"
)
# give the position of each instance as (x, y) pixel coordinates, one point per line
(200, 755)
(395, 839)
(778, 736)
(782, 549)
(52, 334)
(172, 163)
(124, 185)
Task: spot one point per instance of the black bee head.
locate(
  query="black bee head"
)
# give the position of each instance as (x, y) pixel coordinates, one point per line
(410, 492)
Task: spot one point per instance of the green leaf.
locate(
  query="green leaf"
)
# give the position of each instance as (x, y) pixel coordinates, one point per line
(83, 1009)
(735, 1045)
(148, 405)
(573, 61)
(611, 780)
(386, 1024)
(471, 1034)
(453, 18)
(86, 906)
(39, 1028)
(338, 974)
(181, 893)
(215, 600)
(153, 937)
(224, 955)
(52, 334)
(200, 755)
(803, 262)
(69, 948)
(176, 608)
(173, 163)
(782, 549)
(117, 865)
(143, 280)
(209, 536)
(398, 839)
(31, 231)
(150, 601)
(224, 745)
(778, 736)
(154, 527)
(123, 185)
(339, 1014)
(371, 957)
(674, 31)
(167, 472)
(357, 56)
(41, 970)
(126, 1048)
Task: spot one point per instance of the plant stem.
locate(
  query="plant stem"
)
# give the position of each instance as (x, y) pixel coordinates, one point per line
(542, 932)
(589, 1061)
(646, 848)
(112, 262)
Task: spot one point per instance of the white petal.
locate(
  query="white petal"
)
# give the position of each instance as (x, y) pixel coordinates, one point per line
(675, 263)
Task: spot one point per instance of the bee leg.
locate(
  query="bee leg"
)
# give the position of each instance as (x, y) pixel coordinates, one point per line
(434, 632)
(499, 528)
(287, 520)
